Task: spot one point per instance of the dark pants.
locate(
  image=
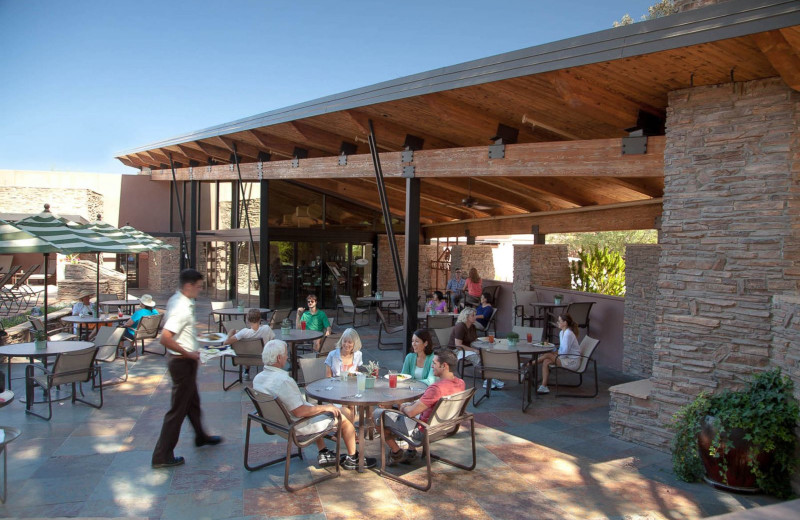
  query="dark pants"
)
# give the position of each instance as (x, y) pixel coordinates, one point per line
(185, 403)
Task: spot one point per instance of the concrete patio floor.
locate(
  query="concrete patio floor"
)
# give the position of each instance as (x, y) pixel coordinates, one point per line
(557, 460)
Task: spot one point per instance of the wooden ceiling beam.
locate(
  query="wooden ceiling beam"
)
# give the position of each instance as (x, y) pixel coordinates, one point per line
(323, 139)
(277, 138)
(244, 150)
(612, 217)
(648, 187)
(429, 203)
(782, 55)
(392, 134)
(272, 145)
(481, 191)
(193, 154)
(223, 155)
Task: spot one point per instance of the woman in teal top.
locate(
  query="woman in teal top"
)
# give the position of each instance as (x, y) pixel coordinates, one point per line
(418, 363)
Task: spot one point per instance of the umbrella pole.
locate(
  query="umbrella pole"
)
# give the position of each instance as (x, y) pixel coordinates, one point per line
(46, 259)
(97, 295)
(125, 296)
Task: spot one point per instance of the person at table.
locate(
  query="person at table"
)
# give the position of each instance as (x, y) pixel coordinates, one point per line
(83, 307)
(275, 381)
(398, 424)
(455, 289)
(437, 303)
(484, 310)
(180, 342)
(254, 329)
(148, 309)
(314, 318)
(473, 287)
(462, 337)
(419, 363)
(346, 357)
(569, 351)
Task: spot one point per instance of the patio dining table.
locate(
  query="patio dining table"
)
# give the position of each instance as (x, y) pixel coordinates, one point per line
(230, 313)
(523, 347)
(83, 322)
(31, 351)
(127, 306)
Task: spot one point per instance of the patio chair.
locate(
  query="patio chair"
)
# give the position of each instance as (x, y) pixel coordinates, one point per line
(385, 330)
(69, 368)
(248, 355)
(490, 325)
(276, 420)
(346, 306)
(19, 292)
(328, 344)
(107, 297)
(236, 325)
(54, 334)
(535, 332)
(522, 301)
(278, 316)
(446, 417)
(216, 318)
(147, 329)
(579, 312)
(588, 348)
(107, 341)
(505, 365)
(440, 321)
(442, 335)
(312, 369)
(6, 298)
(46, 278)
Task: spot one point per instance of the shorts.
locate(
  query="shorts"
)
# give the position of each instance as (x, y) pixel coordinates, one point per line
(570, 362)
(400, 425)
(318, 424)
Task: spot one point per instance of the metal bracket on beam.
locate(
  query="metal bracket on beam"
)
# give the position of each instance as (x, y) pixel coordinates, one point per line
(409, 171)
(407, 156)
(208, 169)
(634, 145)
(260, 171)
(295, 162)
(497, 151)
(343, 159)
(191, 173)
(230, 166)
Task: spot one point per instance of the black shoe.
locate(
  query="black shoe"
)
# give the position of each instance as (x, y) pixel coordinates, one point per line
(130, 351)
(211, 440)
(176, 461)
(326, 458)
(351, 462)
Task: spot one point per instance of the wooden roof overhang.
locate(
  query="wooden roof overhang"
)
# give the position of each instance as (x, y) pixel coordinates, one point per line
(570, 103)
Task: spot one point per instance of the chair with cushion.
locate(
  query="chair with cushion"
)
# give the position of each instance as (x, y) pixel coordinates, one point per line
(588, 348)
(248, 355)
(347, 307)
(107, 341)
(386, 330)
(522, 301)
(505, 365)
(69, 368)
(275, 420)
(147, 329)
(446, 417)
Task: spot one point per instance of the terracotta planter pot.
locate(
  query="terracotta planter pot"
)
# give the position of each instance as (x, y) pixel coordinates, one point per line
(740, 478)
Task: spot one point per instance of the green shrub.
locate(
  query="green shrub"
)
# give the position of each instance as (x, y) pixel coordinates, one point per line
(599, 271)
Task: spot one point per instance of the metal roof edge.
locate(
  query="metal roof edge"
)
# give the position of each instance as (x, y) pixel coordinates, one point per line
(717, 22)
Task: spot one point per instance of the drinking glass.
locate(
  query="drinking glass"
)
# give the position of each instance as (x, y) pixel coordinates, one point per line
(392, 380)
(361, 380)
(530, 337)
(490, 338)
(343, 376)
(302, 325)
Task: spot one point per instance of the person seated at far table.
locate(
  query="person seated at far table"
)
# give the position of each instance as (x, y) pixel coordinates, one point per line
(347, 356)
(569, 351)
(484, 310)
(463, 335)
(148, 309)
(473, 288)
(314, 318)
(419, 363)
(398, 423)
(254, 330)
(83, 307)
(455, 289)
(437, 303)
(275, 381)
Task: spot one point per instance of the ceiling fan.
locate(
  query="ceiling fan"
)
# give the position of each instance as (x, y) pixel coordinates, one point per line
(471, 203)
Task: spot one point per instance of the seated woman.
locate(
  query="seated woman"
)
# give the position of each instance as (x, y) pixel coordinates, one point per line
(484, 311)
(438, 303)
(314, 318)
(148, 309)
(418, 363)
(569, 351)
(83, 307)
(347, 357)
(473, 288)
(464, 333)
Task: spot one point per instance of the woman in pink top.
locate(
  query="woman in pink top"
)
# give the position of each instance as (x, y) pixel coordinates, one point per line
(473, 287)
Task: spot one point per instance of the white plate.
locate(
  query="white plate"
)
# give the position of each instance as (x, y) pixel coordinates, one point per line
(206, 340)
(400, 377)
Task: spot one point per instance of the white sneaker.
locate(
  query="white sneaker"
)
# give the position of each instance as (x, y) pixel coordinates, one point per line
(484, 383)
(542, 390)
(497, 384)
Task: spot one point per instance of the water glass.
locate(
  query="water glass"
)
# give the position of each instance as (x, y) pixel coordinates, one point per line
(361, 381)
(343, 376)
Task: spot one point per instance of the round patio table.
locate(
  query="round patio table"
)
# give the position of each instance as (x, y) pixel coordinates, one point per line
(9, 434)
(83, 322)
(126, 305)
(30, 351)
(334, 390)
(294, 337)
(523, 347)
(230, 313)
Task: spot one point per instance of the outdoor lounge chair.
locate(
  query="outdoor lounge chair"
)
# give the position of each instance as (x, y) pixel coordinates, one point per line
(275, 420)
(588, 347)
(46, 278)
(506, 365)
(19, 292)
(445, 420)
(385, 330)
(70, 368)
(107, 341)
(248, 355)
(6, 298)
(147, 329)
(346, 306)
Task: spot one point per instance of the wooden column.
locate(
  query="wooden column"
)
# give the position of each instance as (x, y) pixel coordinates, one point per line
(233, 261)
(411, 267)
(263, 246)
(193, 224)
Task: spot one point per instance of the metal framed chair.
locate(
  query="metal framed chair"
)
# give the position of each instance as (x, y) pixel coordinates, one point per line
(521, 301)
(312, 369)
(385, 330)
(248, 354)
(579, 312)
(506, 365)
(107, 341)
(347, 307)
(147, 329)
(276, 420)
(55, 334)
(231, 325)
(442, 335)
(440, 321)
(278, 316)
(445, 421)
(588, 348)
(328, 344)
(535, 332)
(69, 368)
(490, 325)
(216, 318)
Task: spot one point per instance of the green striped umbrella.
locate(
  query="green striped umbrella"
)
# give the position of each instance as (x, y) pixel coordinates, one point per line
(132, 244)
(152, 242)
(15, 240)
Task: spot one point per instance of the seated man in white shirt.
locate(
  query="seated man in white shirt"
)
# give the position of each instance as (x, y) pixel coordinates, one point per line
(255, 330)
(274, 380)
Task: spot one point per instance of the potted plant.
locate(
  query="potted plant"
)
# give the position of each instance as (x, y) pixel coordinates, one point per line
(372, 369)
(286, 326)
(240, 306)
(40, 339)
(558, 298)
(513, 339)
(740, 440)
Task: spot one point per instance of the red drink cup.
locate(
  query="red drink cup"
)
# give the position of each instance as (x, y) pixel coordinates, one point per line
(120, 313)
(392, 380)
(490, 337)
(303, 325)
(530, 338)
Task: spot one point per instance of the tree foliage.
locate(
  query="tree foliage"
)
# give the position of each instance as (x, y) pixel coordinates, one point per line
(657, 10)
(599, 271)
(613, 240)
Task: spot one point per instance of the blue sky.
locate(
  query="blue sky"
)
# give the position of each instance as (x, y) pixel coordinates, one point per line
(81, 80)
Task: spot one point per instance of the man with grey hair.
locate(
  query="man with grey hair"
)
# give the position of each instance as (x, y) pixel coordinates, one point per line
(275, 381)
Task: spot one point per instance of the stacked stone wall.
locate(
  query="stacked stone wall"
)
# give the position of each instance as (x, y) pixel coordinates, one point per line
(785, 328)
(163, 267)
(641, 275)
(549, 266)
(63, 201)
(387, 281)
(81, 277)
(478, 256)
(522, 268)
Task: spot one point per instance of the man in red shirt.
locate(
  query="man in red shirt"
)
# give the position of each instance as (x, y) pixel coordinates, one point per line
(399, 424)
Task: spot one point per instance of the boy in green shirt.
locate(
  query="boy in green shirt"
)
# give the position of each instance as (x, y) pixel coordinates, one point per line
(314, 318)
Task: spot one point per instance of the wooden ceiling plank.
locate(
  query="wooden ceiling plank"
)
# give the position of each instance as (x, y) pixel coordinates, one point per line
(553, 191)
(243, 150)
(483, 192)
(783, 56)
(396, 133)
(223, 155)
(269, 144)
(191, 153)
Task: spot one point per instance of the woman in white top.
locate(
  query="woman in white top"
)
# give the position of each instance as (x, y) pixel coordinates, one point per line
(346, 357)
(569, 351)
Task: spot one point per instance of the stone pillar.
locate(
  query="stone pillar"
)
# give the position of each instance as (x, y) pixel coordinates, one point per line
(549, 266)
(641, 274)
(164, 266)
(477, 256)
(522, 268)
